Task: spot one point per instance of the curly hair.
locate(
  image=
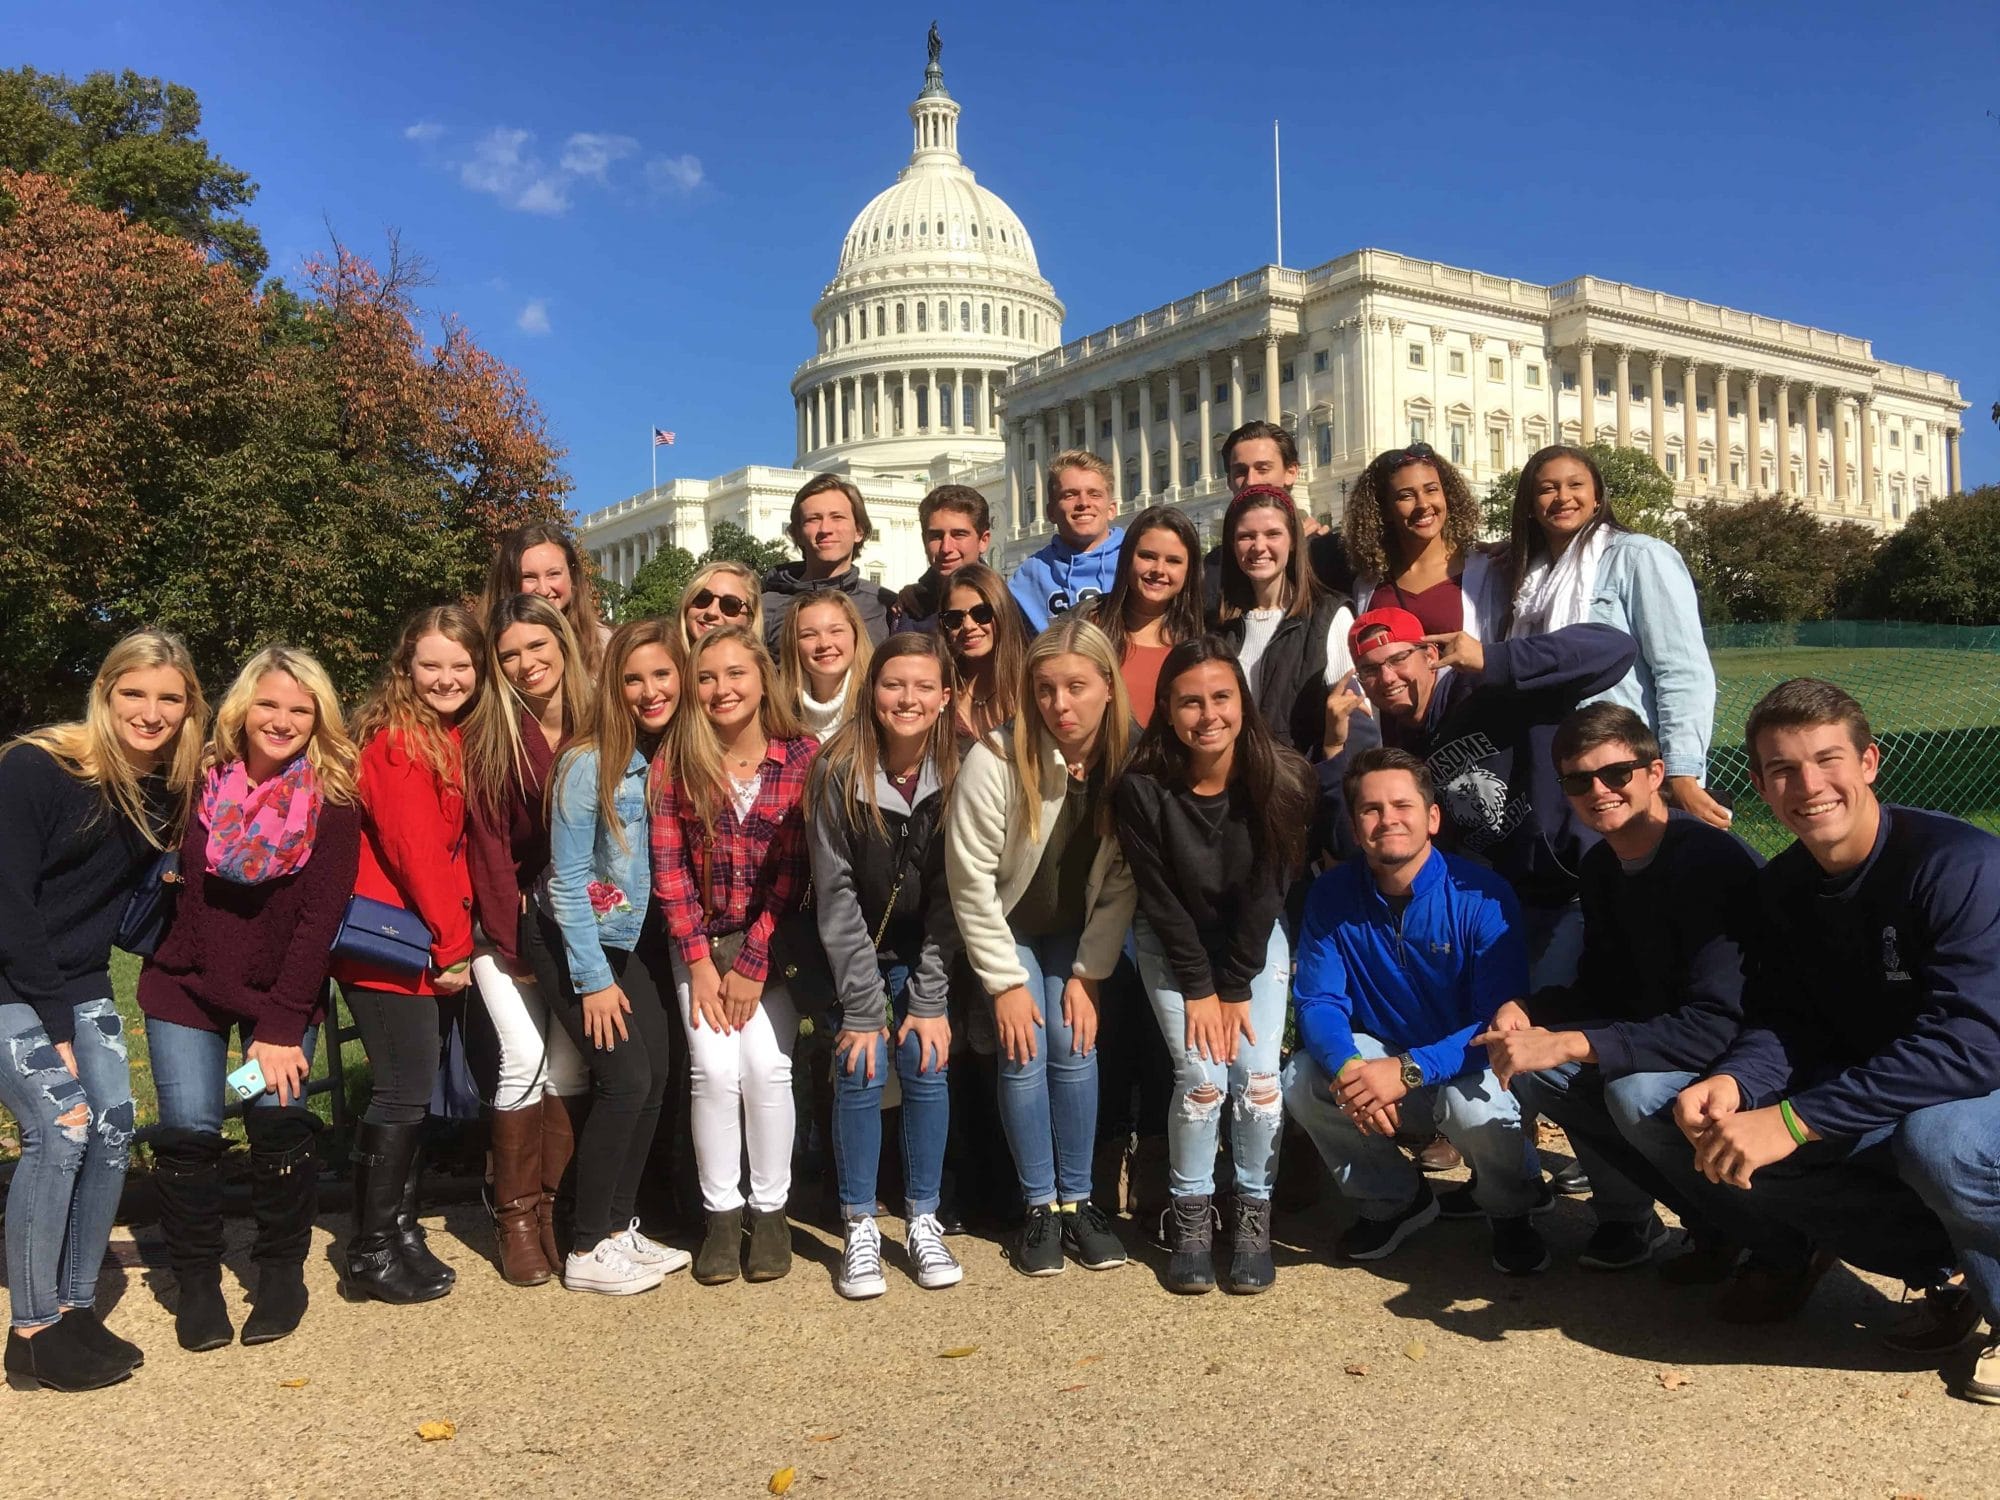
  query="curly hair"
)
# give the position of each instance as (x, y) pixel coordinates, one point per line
(1368, 525)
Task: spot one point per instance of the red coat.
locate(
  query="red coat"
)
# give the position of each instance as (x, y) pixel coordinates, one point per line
(412, 855)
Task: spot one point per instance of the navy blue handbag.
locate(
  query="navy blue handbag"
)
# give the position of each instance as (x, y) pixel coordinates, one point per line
(151, 905)
(383, 936)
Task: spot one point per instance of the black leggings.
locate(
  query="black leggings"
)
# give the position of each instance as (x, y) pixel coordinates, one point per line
(400, 1033)
(627, 1083)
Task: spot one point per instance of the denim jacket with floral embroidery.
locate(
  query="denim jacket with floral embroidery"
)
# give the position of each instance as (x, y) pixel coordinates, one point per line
(596, 889)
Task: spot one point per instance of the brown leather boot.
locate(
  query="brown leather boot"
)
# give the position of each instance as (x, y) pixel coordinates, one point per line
(561, 1117)
(517, 1195)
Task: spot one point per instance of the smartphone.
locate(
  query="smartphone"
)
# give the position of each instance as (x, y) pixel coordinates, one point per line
(248, 1081)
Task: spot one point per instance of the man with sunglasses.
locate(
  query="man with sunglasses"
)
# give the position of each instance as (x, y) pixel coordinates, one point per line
(957, 528)
(1667, 904)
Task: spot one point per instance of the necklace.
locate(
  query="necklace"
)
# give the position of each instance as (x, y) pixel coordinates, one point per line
(906, 777)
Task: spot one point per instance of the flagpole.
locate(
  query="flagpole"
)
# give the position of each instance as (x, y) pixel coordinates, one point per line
(653, 447)
(1278, 191)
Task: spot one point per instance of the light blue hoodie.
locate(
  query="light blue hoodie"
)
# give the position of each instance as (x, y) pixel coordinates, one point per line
(1059, 578)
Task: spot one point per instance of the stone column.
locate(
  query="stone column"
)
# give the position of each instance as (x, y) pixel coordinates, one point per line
(1753, 437)
(1015, 448)
(1089, 443)
(1865, 414)
(1274, 405)
(1835, 420)
(1656, 396)
(1146, 435)
(1624, 396)
(1235, 388)
(1586, 390)
(1205, 373)
(1117, 453)
(1064, 438)
(1690, 437)
(1721, 474)
(1173, 483)
(1302, 376)
(1814, 489)
(1782, 432)
(984, 411)
(1952, 474)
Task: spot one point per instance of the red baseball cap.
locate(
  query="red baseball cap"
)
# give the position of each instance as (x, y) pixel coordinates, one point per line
(1383, 627)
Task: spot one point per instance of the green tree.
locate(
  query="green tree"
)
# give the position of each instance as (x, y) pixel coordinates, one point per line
(1765, 560)
(131, 145)
(1641, 495)
(657, 587)
(728, 542)
(1944, 565)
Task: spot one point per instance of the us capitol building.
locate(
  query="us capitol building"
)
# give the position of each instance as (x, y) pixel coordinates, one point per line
(939, 357)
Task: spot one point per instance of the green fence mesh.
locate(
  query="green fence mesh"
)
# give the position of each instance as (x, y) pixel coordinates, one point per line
(1932, 693)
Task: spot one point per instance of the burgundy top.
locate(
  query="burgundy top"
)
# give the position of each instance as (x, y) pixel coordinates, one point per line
(1441, 607)
(509, 847)
(255, 953)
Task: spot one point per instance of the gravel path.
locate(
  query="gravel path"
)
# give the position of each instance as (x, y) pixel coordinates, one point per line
(1429, 1375)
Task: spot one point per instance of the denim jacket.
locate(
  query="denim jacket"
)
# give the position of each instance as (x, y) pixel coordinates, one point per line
(596, 891)
(1643, 589)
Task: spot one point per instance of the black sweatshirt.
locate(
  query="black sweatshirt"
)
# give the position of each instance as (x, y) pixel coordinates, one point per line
(69, 860)
(1209, 894)
(1878, 994)
(1659, 987)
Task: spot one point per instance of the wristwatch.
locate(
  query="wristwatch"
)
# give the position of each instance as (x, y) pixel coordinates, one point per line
(1413, 1076)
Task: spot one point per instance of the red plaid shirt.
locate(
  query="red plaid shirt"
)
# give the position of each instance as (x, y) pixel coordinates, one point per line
(758, 868)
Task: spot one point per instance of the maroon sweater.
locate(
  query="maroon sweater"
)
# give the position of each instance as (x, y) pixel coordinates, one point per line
(255, 953)
(508, 846)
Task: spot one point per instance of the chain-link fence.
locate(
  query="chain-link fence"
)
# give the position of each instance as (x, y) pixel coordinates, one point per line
(1932, 693)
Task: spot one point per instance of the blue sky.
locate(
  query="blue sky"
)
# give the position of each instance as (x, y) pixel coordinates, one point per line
(638, 205)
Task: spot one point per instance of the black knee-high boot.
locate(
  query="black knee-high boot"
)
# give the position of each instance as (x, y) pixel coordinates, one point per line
(284, 1196)
(188, 1177)
(411, 1241)
(376, 1264)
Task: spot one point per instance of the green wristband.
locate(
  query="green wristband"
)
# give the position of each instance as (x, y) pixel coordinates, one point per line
(1792, 1124)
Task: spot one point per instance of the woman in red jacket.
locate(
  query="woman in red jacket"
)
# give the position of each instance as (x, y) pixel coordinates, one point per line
(267, 866)
(412, 856)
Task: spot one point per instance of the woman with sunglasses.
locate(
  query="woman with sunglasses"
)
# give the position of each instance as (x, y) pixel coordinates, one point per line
(1569, 560)
(1155, 599)
(982, 629)
(1412, 533)
(720, 593)
(823, 651)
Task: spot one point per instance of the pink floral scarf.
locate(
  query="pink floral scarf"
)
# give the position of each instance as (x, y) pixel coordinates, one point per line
(262, 832)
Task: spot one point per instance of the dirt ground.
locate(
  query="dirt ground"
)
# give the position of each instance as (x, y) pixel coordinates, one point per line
(1430, 1374)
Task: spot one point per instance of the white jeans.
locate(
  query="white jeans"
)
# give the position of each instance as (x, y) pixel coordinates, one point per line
(535, 1056)
(740, 1089)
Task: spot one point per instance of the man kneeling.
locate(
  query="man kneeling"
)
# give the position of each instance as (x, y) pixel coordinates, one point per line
(1404, 956)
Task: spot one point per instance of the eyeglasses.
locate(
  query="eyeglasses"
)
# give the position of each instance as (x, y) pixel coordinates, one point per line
(954, 619)
(1373, 672)
(731, 605)
(1614, 777)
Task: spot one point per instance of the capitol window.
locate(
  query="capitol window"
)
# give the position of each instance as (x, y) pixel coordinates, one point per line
(1673, 466)
(944, 317)
(1455, 362)
(975, 231)
(1895, 438)
(901, 321)
(1191, 470)
(1416, 429)
(847, 328)
(1458, 442)
(1319, 361)
(971, 393)
(965, 316)
(1638, 392)
(1673, 395)
(1916, 442)
(1603, 385)
(1104, 428)
(1189, 401)
(1287, 373)
(923, 317)
(1700, 402)
(1416, 356)
(1533, 379)
(986, 317)
(1496, 369)
(1221, 393)
(881, 320)
(1323, 443)
(1003, 319)
(1252, 384)
(1496, 448)
(1132, 420)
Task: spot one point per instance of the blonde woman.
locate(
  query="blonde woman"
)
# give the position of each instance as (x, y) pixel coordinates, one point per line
(721, 593)
(268, 862)
(729, 864)
(538, 698)
(85, 809)
(1043, 900)
(823, 651)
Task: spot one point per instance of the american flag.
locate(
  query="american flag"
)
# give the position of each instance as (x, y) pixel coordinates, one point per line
(662, 438)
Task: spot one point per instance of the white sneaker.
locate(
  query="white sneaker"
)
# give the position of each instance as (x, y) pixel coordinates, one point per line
(647, 1253)
(609, 1270)
(936, 1266)
(861, 1261)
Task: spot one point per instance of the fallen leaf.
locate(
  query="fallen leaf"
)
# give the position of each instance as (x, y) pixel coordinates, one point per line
(783, 1480)
(292, 1385)
(1415, 1349)
(442, 1430)
(1903, 1395)
(1068, 1389)
(1214, 1368)
(961, 1352)
(1088, 1359)
(823, 1437)
(1672, 1380)
(1357, 1369)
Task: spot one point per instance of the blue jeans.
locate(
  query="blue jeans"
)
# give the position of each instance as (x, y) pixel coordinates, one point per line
(66, 1185)
(1201, 1087)
(1623, 1184)
(1909, 1200)
(189, 1066)
(1471, 1111)
(857, 1115)
(1555, 943)
(1048, 1105)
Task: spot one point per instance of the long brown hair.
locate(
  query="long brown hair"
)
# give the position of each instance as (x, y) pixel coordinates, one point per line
(495, 754)
(846, 766)
(395, 708)
(694, 751)
(1070, 635)
(503, 580)
(1369, 530)
(1184, 612)
(1302, 590)
(614, 732)
(1010, 645)
(1527, 543)
(1278, 783)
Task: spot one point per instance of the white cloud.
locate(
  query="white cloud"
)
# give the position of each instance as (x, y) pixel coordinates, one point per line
(589, 154)
(679, 173)
(534, 317)
(503, 164)
(423, 132)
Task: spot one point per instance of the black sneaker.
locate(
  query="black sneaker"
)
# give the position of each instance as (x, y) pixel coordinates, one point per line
(1620, 1247)
(1040, 1249)
(1946, 1318)
(1517, 1247)
(1086, 1229)
(1371, 1239)
(1458, 1202)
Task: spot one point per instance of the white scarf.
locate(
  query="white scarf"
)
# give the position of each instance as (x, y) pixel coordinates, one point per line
(1553, 595)
(823, 718)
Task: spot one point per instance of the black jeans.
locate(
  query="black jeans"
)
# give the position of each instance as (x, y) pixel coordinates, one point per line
(628, 1081)
(401, 1035)
(1135, 1074)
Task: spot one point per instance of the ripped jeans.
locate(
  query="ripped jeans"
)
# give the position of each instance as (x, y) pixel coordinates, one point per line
(1248, 1089)
(76, 1135)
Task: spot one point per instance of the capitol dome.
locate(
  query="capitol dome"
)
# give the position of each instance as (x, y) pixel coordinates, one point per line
(936, 294)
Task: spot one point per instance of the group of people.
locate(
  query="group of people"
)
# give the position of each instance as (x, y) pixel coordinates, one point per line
(1075, 845)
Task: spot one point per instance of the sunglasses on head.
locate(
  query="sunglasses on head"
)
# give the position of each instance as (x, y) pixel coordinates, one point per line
(731, 605)
(979, 614)
(1614, 777)
(1389, 463)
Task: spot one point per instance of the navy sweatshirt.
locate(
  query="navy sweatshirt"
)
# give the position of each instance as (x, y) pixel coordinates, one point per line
(1659, 988)
(1486, 738)
(1879, 993)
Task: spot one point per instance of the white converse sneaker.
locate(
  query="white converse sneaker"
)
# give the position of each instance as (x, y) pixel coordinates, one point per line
(649, 1254)
(936, 1266)
(609, 1270)
(860, 1273)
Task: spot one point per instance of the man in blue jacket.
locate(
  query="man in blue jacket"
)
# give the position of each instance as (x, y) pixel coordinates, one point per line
(1857, 1115)
(1667, 905)
(1081, 560)
(1404, 956)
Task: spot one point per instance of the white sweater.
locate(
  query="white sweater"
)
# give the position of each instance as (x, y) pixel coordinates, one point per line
(989, 860)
